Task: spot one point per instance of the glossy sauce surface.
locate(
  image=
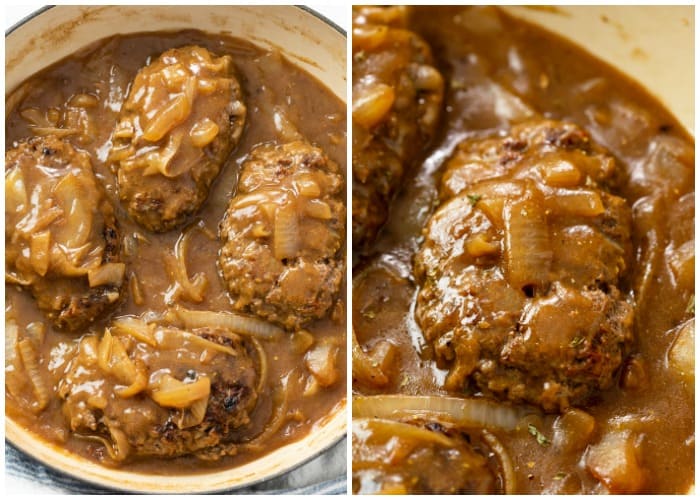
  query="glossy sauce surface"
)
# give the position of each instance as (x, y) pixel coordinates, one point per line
(104, 71)
(501, 71)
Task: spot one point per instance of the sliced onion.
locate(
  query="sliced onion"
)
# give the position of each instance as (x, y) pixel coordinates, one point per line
(318, 209)
(386, 429)
(136, 327)
(287, 131)
(191, 289)
(194, 415)
(111, 273)
(307, 186)
(75, 195)
(368, 37)
(11, 339)
(238, 323)
(121, 446)
(135, 289)
(161, 160)
(509, 477)
(466, 412)
(576, 202)
(320, 361)
(114, 452)
(170, 116)
(83, 101)
(207, 344)
(113, 359)
(39, 252)
(262, 358)
(15, 191)
(139, 383)
(372, 104)
(36, 332)
(15, 378)
(169, 392)
(528, 253)
(58, 132)
(302, 340)
(34, 222)
(364, 368)
(286, 232)
(256, 198)
(280, 405)
(12, 278)
(203, 132)
(30, 360)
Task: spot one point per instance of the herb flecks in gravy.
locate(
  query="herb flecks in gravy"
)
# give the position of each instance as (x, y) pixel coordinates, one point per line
(552, 275)
(166, 340)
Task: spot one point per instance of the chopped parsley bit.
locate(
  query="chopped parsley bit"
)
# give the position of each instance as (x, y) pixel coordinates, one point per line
(691, 305)
(541, 438)
(369, 314)
(474, 198)
(360, 56)
(559, 476)
(577, 341)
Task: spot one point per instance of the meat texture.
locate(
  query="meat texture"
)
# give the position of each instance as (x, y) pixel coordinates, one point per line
(391, 457)
(521, 266)
(397, 97)
(282, 237)
(182, 118)
(148, 390)
(61, 235)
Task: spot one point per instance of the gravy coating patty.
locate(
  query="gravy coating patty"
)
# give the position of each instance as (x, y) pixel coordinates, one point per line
(282, 237)
(397, 97)
(417, 458)
(182, 118)
(520, 268)
(61, 235)
(158, 398)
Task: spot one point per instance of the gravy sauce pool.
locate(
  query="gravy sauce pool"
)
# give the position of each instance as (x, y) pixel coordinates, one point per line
(104, 70)
(499, 71)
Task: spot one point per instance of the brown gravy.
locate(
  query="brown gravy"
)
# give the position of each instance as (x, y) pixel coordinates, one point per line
(499, 70)
(104, 69)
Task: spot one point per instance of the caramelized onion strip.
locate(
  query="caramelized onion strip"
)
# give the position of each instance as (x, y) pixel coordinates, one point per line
(135, 327)
(238, 323)
(14, 371)
(208, 344)
(112, 449)
(31, 366)
(385, 429)
(364, 368)
(192, 288)
(465, 412)
(528, 253)
(509, 477)
(280, 406)
(169, 392)
(286, 232)
(262, 356)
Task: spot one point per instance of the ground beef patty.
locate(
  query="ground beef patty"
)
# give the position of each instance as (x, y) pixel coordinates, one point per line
(393, 457)
(61, 236)
(283, 234)
(396, 102)
(520, 268)
(124, 390)
(182, 118)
